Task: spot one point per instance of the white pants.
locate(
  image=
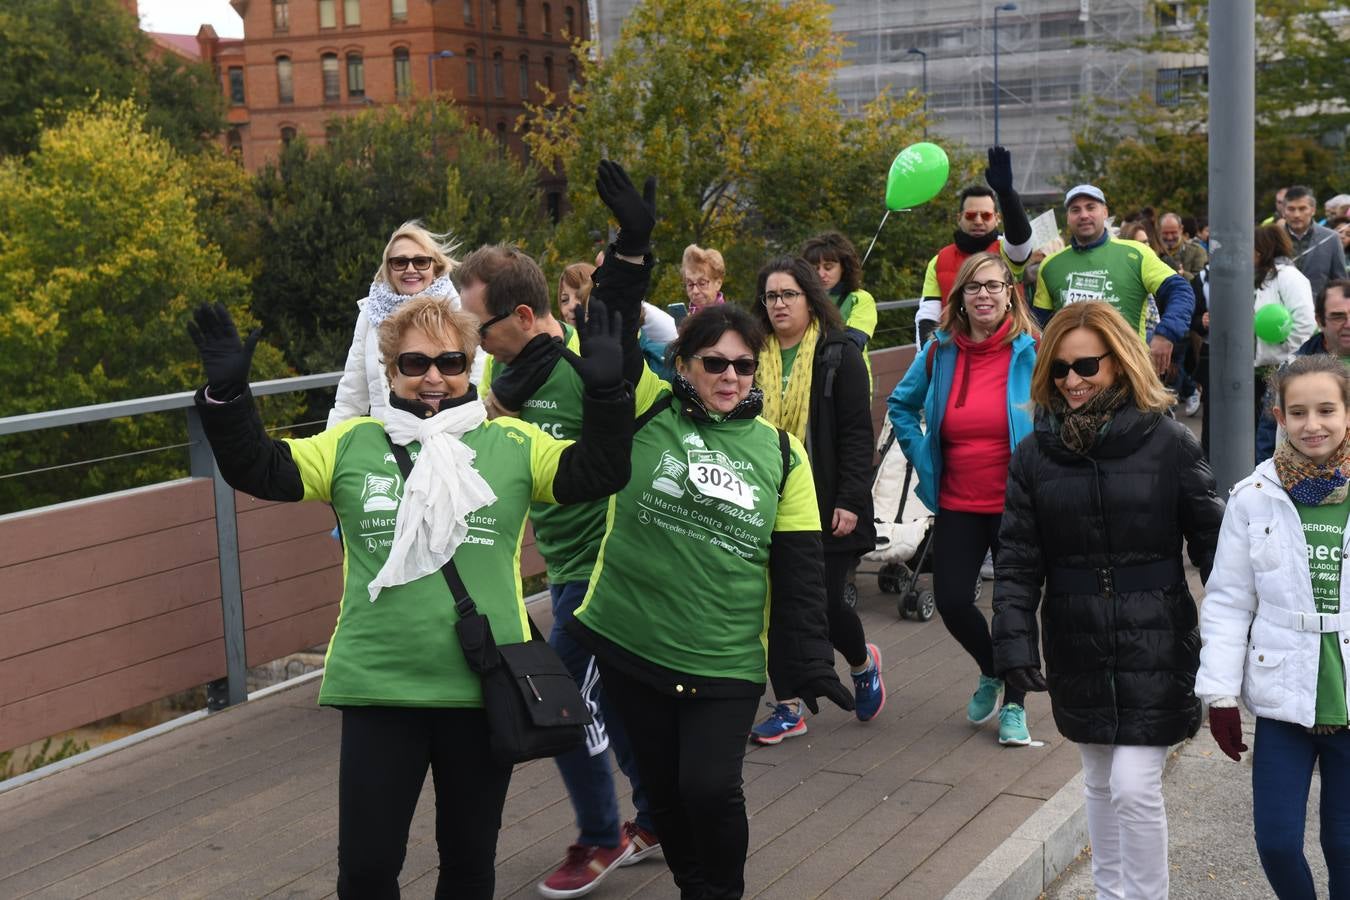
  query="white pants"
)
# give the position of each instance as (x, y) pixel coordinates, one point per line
(1127, 823)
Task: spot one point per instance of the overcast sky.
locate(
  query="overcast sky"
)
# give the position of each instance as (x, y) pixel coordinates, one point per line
(186, 16)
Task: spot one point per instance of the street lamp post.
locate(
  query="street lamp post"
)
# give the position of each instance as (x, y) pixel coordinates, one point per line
(1002, 7)
(924, 56)
(431, 71)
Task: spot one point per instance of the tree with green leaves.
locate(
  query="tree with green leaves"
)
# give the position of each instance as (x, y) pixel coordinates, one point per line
(1145, 154)
(729, 104)
(101, 258)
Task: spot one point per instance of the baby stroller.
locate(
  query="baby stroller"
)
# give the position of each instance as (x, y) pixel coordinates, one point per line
(902, 544)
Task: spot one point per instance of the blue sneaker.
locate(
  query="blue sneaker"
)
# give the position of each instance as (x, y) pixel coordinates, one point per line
(1012, 726)
(869, 691)
(984, 702)
(783, 722)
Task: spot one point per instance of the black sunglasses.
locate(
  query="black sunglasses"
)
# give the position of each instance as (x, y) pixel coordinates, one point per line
(716, 365)
(420, 263)
(483, 329)
(450, 363)
(1085, 367)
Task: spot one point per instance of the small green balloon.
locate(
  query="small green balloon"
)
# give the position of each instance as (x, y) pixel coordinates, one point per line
(1273, 323)
(917, 174)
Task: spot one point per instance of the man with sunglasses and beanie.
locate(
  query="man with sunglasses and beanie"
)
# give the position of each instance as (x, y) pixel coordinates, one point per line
(977, 231)
(506, 290)
(1125, 274)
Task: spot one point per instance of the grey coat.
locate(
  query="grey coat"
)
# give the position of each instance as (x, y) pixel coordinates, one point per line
(1318, 255)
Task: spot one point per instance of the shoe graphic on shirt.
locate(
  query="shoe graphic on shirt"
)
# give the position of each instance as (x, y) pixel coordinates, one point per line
(380, 493)
(670, 471)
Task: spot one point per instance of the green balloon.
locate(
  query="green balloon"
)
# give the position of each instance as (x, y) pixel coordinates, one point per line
(1273, 323)
(917, 173)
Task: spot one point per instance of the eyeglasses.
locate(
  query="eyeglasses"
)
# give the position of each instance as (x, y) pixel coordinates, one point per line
(1338, 319)
(450, 363)
(701, 284)
(420, 263)
(995, 288)
(1085, 367)
(976, 215)
(483, 329)
(772, 298)
(716, 365)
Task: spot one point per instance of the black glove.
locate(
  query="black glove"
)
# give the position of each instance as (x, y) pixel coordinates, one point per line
(999, 174)
(636, 214)
(225, 358)
(827, 686)
(1026, 679)
(600, 364)
(1016, 226)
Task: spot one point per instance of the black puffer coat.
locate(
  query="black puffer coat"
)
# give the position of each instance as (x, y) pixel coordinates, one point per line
(839, 440)
(1120, 662)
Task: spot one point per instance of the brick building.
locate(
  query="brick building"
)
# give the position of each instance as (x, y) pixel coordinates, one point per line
(301, 62)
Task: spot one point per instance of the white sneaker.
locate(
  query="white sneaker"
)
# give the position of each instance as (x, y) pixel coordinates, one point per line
(987, 567)
(1193, 404)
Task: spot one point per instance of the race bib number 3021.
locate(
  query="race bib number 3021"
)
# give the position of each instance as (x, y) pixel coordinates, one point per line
(711, 474)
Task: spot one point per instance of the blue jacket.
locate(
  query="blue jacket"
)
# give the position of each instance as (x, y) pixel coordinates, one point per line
(917, 391)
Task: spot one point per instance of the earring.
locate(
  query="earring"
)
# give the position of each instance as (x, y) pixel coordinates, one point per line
(961, 311)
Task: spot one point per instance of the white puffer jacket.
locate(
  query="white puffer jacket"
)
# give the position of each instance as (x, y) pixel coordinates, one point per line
(1287, 286)
(1260, 631)
(364, 390)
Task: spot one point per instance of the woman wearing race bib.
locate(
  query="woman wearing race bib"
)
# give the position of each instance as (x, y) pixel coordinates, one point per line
(816, 388)
(709, 575)
(394, 665)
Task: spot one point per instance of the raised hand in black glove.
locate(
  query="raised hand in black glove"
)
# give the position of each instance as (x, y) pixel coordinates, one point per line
(828, 686)
(600, 364)
(999, 174)
(1026, 679)
(636, 213)
(225, 358)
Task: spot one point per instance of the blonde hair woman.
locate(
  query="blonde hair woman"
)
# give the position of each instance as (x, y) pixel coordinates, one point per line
(1098, 503)
(416, 263)
(574, 288)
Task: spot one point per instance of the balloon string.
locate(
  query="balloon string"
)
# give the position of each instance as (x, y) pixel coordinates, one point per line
(874, 238)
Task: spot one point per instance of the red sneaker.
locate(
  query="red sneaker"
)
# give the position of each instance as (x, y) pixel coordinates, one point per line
(645, 843)
(584, 868)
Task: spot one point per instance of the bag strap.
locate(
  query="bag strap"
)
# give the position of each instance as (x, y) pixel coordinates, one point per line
(459, 591)
(660, 405)
(785, 448)
(928, 355)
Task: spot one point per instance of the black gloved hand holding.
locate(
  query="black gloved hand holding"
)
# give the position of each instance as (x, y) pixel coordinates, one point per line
(1026, 679)
(635, 213)
(999, 173)
(828, 686)
(600, 364)
(1225, 723)
(225, 358)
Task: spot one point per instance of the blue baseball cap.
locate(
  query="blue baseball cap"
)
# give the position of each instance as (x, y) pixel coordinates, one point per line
(1084, 190)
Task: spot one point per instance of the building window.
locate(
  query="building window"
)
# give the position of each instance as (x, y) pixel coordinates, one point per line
(235, 141)
(501, 138)
(356, 76)
(471, 71)
(468, 11)
(496, 13)
(571, 73)
(236, 85)
(548, 19)
(332, 89)
(569, 22)
(281, 15)
(402, 73)
(287, 135)
(285, 84)
(520, 16)
(554, 200)
(548, 72)
(498, 75)
(398, 10)
(1173, 85)
(327, 13)
(351, 13)
(524, 65)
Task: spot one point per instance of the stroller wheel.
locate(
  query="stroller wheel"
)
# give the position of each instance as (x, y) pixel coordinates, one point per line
(902, 607)
(923, 608)
(850, 595)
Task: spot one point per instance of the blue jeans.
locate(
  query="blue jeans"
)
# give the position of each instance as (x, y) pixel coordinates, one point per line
(1282, 765)
(585, 770)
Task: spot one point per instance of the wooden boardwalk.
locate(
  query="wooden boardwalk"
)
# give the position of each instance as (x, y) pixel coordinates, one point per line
(244, 803)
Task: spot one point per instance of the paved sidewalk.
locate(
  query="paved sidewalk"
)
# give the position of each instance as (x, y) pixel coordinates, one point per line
(1209, 818)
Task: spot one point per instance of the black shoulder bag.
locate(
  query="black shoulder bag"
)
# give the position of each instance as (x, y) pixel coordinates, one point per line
(533, 706)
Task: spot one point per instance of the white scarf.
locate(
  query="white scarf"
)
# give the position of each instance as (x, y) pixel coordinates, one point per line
(441, 492)
(383, 299)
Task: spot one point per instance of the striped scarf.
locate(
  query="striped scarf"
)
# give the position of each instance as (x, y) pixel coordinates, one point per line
(788, 407)
(1308, 482)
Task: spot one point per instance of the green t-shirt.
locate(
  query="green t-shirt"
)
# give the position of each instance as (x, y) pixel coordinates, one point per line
(401, 650)
(683, 576)
(1122, 273)
(1324, 532)
(789, 357)
(568, 537)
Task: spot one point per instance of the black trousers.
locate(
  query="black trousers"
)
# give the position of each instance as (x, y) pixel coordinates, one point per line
(689, 752)
(960, 540)
(385, 754)
(846, 629)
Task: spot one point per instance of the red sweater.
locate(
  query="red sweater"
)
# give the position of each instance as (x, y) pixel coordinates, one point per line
(975, 450)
